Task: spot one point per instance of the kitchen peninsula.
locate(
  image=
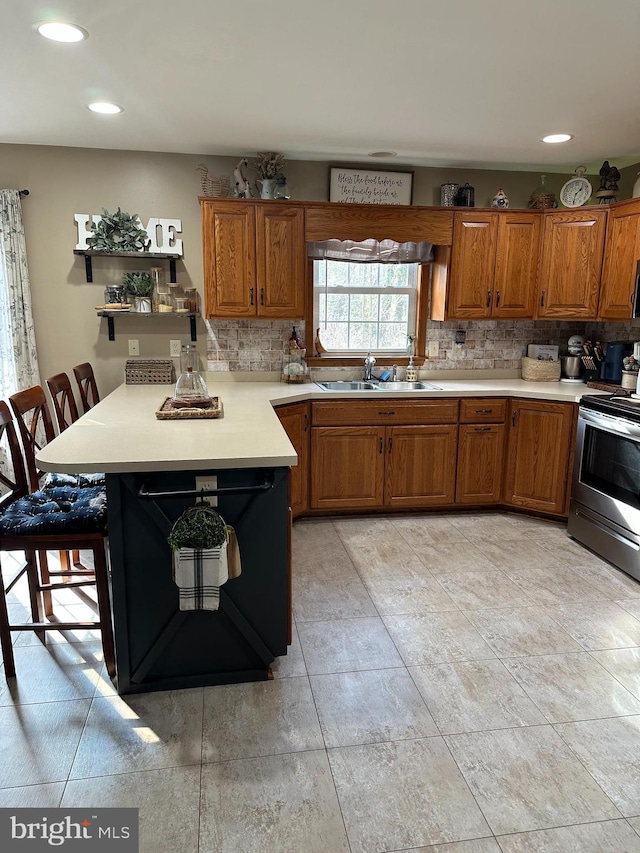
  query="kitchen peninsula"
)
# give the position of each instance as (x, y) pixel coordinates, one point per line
(145, 460)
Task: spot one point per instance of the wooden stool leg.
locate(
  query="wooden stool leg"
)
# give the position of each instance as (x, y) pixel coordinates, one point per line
(104, 608)
(65, 564)
(75, 559)
(35, 598)
(46, 578)
(5, 635)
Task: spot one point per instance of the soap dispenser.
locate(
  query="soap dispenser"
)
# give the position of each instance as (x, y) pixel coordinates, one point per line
(411, 374)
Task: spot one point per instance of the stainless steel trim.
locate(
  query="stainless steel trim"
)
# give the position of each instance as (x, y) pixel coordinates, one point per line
(602, 537)
(610, 423)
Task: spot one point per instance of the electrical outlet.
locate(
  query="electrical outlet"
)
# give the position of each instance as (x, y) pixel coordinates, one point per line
(434, 349)
(174, 348)
(208, 483)
(134, 347)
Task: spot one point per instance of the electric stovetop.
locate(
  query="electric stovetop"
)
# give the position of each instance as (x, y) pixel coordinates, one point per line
(626, 407)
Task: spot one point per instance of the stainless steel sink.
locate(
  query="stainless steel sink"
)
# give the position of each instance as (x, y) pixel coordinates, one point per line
(348, 386)
(408, 386)
(378, 386)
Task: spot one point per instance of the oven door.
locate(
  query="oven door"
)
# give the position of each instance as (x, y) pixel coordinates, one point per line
(606, 475)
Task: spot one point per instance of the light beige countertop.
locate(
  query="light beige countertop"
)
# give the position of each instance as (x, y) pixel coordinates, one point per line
(121, 434)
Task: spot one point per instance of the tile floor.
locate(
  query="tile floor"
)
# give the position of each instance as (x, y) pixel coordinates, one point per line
(457, 684)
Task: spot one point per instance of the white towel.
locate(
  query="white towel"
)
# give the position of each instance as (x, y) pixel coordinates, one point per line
(199, 574)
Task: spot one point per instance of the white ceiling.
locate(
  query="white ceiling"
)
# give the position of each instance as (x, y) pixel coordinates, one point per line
(464, 83)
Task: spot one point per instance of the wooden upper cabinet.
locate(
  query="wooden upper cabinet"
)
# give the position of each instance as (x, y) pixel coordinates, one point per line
(517, 258)
(473, 265)
(622, 252)
(281, 261)
(494, 265)
(572, 252)
(254, 259)
(228, 240)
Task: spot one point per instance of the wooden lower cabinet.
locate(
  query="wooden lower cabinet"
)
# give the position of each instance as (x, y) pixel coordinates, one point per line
(540, 445)
(347, 467)
(373, 467)
(295, 420)
(420, 465)
(480, 463)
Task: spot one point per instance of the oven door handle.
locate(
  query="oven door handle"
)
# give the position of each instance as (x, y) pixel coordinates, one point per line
(610, 423)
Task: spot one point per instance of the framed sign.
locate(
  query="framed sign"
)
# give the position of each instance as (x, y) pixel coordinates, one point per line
(368, 186)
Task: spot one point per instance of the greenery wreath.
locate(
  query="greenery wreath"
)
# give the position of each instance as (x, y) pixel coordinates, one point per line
(118, 232)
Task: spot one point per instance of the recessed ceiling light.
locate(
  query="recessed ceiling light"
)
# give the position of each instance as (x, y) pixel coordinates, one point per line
(383, 154)
(554, 138)
(105, 108)
(61, 31)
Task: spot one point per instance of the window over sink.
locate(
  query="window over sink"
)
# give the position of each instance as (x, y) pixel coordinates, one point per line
(365, 295)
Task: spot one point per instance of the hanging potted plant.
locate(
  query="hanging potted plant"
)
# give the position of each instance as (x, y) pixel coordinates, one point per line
(199, 540)
(139, 286)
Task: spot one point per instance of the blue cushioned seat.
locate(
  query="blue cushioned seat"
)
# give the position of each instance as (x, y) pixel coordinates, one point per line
(81, 481)
(59, 510)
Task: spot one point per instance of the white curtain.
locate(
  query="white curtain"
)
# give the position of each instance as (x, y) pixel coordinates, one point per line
(18, 357)
(371, 251)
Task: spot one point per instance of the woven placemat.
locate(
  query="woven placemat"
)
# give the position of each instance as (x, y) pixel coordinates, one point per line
(166, 412)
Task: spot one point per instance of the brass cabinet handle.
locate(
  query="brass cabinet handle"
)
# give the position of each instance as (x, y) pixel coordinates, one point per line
(542, 299)
(250, 296)
(390, 444)
(482, 429)
(488, 298)
(381, 446)
(497, 298)
(262, 296)
(513, 419)
(386, 413)
(484, 411)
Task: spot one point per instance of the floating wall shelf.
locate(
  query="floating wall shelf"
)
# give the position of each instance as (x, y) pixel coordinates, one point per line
(88, 254)
(110, 315)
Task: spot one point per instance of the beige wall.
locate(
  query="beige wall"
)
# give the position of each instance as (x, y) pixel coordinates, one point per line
(64, 181)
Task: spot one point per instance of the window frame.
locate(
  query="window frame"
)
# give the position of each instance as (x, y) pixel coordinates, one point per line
(411, 291)
(424, 275)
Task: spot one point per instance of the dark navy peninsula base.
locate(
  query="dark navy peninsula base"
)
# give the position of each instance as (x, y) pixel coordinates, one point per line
(159, 647)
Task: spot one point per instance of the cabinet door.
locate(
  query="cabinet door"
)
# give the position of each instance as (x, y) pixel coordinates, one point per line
(347, 467)
(622, 252)
(541, 437)
(572, 250)
(281, 261)
(473, 265)
(480, 462)
(295, 420)
(421, 465)
(517, 264)
(228, 239)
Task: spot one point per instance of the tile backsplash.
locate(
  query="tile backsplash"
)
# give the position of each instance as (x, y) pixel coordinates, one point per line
(489, 344)
(248, 344)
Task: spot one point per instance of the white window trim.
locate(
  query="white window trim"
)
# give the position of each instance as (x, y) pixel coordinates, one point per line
(412, 292)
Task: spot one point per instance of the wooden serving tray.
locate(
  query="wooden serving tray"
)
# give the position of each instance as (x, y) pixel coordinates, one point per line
(166, 412)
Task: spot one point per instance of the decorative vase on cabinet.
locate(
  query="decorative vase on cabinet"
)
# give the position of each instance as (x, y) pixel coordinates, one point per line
(266, 186)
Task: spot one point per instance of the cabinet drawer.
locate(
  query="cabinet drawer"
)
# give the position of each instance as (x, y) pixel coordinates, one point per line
(483, 410)
(384, 411)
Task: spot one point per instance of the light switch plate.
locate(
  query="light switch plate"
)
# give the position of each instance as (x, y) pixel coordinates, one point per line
(174, 348)
(134, 347)
(434, 349)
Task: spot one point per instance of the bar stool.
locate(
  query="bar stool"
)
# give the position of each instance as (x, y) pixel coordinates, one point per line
(87, 384)
(64, 403)
(36, 430)
(61, 519)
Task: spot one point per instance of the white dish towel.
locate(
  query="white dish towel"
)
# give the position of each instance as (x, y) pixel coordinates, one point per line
(199, 574)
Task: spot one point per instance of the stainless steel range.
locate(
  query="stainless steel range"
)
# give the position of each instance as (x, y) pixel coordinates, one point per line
(605, 495)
